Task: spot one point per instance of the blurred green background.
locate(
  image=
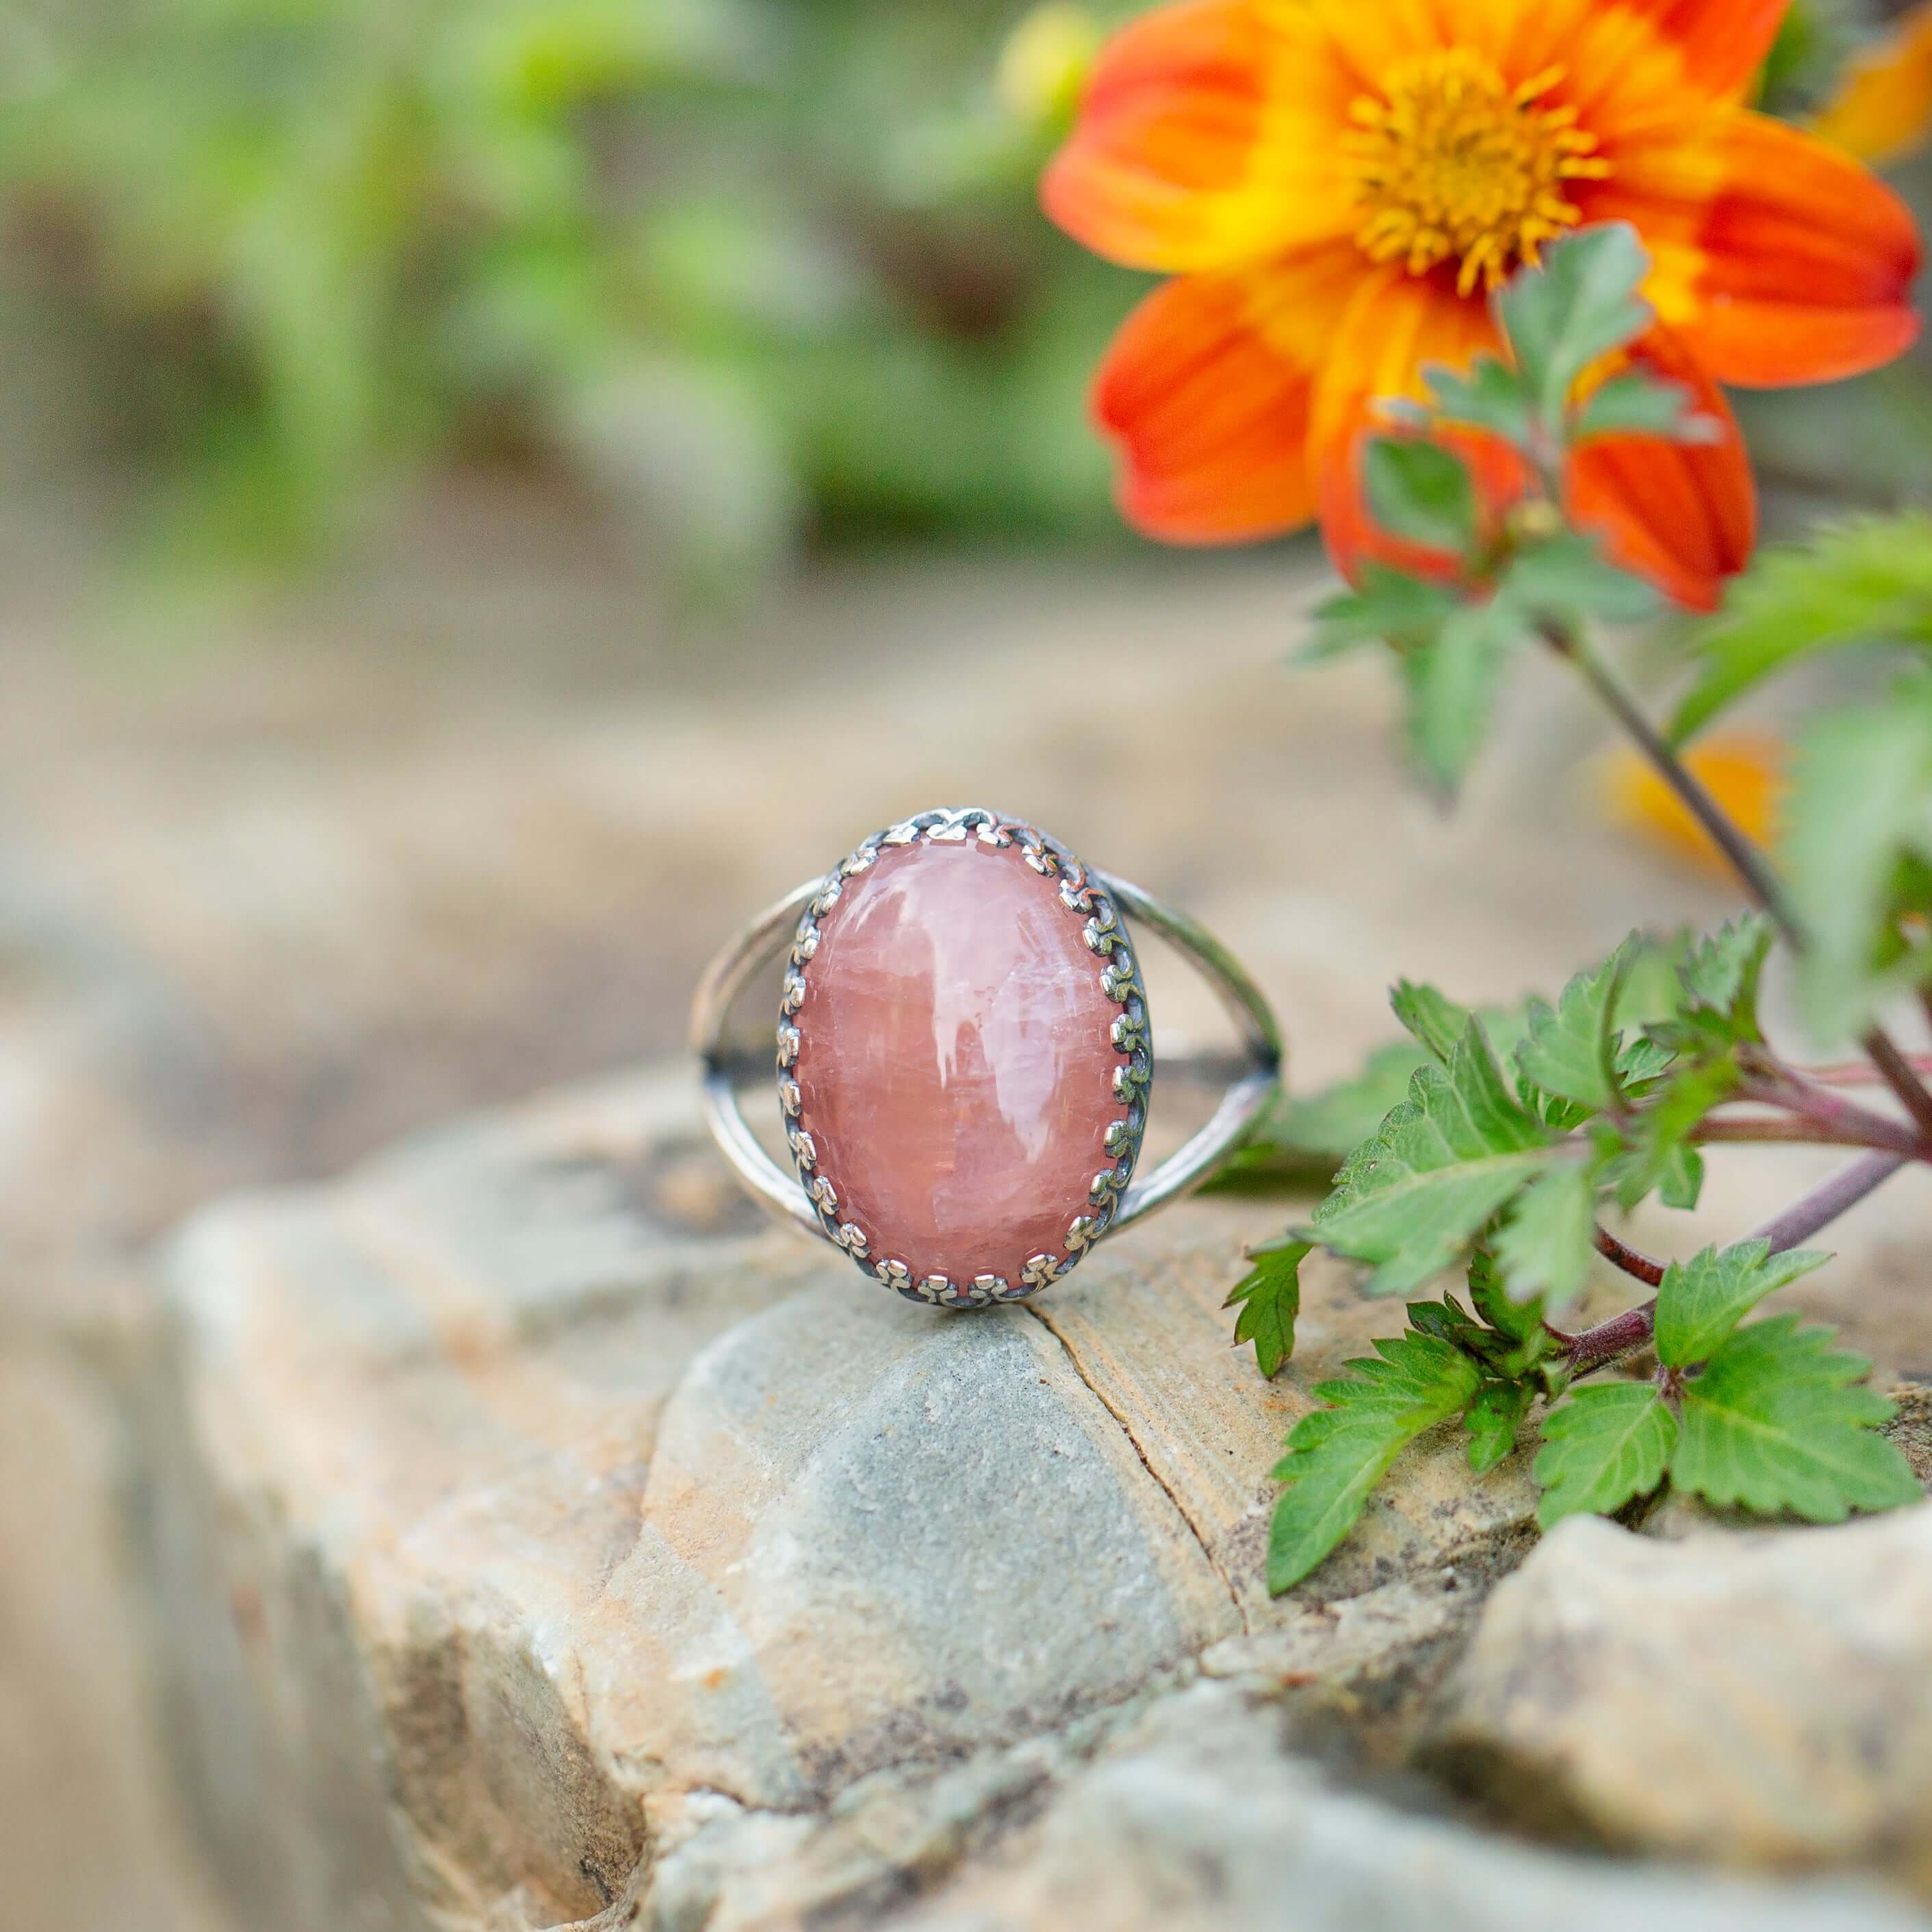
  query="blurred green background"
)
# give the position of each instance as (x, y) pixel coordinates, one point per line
(750, 273)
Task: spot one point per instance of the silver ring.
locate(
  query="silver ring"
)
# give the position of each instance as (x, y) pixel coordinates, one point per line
(806, 924)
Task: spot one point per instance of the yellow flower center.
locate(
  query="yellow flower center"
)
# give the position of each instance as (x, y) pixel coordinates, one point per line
(1456, 163)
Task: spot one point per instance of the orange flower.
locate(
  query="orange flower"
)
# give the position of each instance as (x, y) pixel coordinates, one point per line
(1337, 185)
(1746, 772)
(1883, 110)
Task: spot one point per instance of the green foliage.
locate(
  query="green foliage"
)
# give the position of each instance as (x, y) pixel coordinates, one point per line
(1452, 682)
(1388, 605)
(1868, 580)
(1578, 308)
(1859, 857)
(1544, 1245)
(1456, 1151)
(1605, 1446)
(1338, 1454)
(1421, 492)
(1703, 1299)
(1269, 1297)
(1574, 1049)
(1493, 1421)
(1776, 1421)
(1636, 404)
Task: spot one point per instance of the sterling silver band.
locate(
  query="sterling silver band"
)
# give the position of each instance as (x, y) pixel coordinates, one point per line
(1253, 1078)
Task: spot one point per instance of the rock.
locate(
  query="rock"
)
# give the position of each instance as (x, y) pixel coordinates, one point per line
(1762, 1699)
(520, 1498)
(1196, 1820)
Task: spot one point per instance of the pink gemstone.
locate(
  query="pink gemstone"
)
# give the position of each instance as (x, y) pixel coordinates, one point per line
(954, 1064)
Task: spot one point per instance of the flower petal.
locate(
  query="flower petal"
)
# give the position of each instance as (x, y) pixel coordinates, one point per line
(1883, 107)
(1396, 324)
(1685, 515)
(1723, 43)
(1208, 138)
(1206, 393)
(1777, 259)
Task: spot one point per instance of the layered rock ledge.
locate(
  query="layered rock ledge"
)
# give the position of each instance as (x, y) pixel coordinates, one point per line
(539, 1539)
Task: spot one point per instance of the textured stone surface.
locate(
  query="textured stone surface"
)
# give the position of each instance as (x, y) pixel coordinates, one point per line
(955, 1067)
(1764, 1698)
(516, 1495)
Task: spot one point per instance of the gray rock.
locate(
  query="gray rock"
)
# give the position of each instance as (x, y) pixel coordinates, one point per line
(1762, 1698)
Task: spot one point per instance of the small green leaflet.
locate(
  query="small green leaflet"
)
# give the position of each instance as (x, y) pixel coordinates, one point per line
(1418, 491)
(1490, 397)
(1720, 974)
(1637, 404)
(1574, 310)
(1545, 1245)
(1703, 1299)
(1572, 1049)
(1777, 1422)
(1607, 1443)
(1336, 1455)
(1435, 1022)
(1452, 686)
(1860, 835)
(1863, 581)
(1493, 1420)
(1389, 607)
(1458, 1150)
(1269, 1297)
(1567, 579)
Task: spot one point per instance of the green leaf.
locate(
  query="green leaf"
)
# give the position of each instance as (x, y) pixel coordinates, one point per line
(1572, 1049)
(1858, 843)
(1491, 397)
(1776, 1421)
(1637, 404)
(1861, 582)
(1389, 607)
(1414, 1199)
(1493, 1420)
(1520, 1322)
(1336, 1455)
(1578, 306)
(1452, 686)
(1418, 491)
(1702, 1300)
(1661, 1134)
(1433, 1020)
(1720, 975)
(1269, 1297)
(1606, 1444)
(1568, 579)
(1545, 1245)
(1681, 1181)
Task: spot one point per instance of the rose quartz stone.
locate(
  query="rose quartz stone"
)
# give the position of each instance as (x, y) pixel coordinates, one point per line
(955, 1068)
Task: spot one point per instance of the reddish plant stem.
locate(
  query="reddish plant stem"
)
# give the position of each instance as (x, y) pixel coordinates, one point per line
(1859, 1072)
(1597, 1347)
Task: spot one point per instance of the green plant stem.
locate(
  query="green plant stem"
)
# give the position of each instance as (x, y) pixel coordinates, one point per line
(1743, 857)
(1609, 1341)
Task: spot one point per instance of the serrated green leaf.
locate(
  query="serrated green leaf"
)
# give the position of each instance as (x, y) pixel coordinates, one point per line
(1580, 304)
(1866, 581)
(1389, 606)
(1520, 1322)
(1452, 686)
(1544, 1246)
(1637, 404)
(1702, 1300)
(1602, 1445)
(1435, 1022)
(1421, 492)
(1568, 579)
(1573, 1048)
(1720, 974)
(1777, 1421)
(1490, 397)
(1493, 1420)
(1858, 846)
(1338, 1454)
(1412, 1199)
(1673, 1111)
(1269, 1296)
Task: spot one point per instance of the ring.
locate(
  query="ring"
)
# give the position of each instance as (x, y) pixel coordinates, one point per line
(962, 1042)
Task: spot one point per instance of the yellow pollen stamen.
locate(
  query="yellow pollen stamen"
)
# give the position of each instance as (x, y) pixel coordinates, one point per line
(1455, 163)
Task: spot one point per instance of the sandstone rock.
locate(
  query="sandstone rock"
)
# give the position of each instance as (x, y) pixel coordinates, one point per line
(1763, 1698)
(518, 1494)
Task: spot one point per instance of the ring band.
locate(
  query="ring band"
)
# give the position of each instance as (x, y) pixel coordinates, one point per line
(961, 933)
